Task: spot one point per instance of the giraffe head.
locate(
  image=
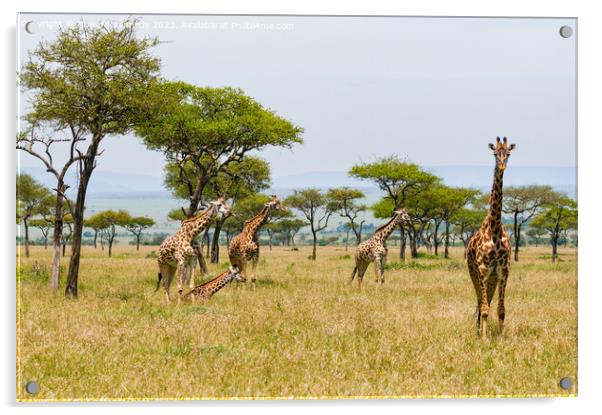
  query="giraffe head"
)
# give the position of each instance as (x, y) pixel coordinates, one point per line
(234, 274)
(220, 206)
(275, 203)
(501, 151)
(402, 215)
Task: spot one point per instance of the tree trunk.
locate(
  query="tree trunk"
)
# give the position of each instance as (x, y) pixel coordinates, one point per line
(45, 242)
(78, 218)
(206, 244)
(347, 240)
(215, 242)
(137, 242)
(26, 225)
(402, 243)
(315, 242)
(446, 255)
(436, 239)
(554, 249)
(198, 249)
(413, 244)
(516, 236)
(95, 236)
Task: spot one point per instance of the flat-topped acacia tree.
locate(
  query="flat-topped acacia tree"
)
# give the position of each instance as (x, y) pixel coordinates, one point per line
(399, 180)
(91, 82)
(202, 130)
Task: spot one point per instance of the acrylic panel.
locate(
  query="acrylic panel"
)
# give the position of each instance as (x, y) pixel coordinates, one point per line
(275, 207)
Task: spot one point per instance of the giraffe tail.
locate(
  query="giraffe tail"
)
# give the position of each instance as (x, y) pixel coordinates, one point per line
(353, 273)
(159, 278)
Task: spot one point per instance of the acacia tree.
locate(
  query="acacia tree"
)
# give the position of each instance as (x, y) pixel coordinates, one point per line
(89, 83)
(315, 206)
(344, 202)
(44, 225)
(108, 221)
(536, 234)
(523, 203)
(558, 215)
(289, 227)
(137, 225)
(95, 223)
(33, 199)
(466, 223)
(399, 180)
(450, 201)
(202, 130)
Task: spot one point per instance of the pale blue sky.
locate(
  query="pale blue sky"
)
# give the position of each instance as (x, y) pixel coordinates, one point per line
(434, 90)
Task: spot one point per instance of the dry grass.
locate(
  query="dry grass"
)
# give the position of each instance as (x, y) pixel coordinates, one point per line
(305, 332)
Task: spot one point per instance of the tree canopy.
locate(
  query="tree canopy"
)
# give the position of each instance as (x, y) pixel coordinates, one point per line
(202, 130)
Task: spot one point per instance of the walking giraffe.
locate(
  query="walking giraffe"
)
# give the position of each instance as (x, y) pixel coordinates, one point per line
(245, 246)
(176, 252)
(488, 251)
(375, 249)
(207, 289)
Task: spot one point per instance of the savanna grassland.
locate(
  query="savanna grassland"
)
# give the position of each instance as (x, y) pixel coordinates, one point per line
(305, 332)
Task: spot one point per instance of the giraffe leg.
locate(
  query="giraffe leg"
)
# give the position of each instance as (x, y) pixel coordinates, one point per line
(192, 266)
(182, 278)
(473, 270)
(167, 278)
(383, 262)
(501, 308)
(361, 270)
(484, 304)
(254, 262)
(190, 273)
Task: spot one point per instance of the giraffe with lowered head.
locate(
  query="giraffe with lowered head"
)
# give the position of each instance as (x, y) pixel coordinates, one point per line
(207, 289)
(488, 251)
(244, 247)
(375, 249)
(176, 252)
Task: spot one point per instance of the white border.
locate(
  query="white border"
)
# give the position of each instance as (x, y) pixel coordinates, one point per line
(590, 277)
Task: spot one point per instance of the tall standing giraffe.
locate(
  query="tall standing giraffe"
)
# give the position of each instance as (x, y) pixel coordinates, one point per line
(209, 288)
(375, 249)
(488, 251)
(245, 246)
(176, 252)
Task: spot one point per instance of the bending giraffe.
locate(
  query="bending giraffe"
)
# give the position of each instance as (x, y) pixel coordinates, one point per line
(375, 249)
(244, 247)
(488, 251)
(209, 288)
(176, 252)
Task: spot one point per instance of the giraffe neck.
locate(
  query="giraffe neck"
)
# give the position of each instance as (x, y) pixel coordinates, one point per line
(216, 284)
(252, 226)
(385, 231)
(193, 226)
(495, 202)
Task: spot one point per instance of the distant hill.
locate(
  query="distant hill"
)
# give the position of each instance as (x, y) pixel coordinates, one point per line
(561, 178)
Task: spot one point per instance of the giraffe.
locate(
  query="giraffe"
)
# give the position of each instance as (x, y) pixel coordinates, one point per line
(207, 289)
(177, 253)
(245, 246)
(488, 251)
(375, 249)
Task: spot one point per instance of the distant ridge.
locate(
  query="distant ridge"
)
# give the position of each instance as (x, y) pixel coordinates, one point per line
(106, 182)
